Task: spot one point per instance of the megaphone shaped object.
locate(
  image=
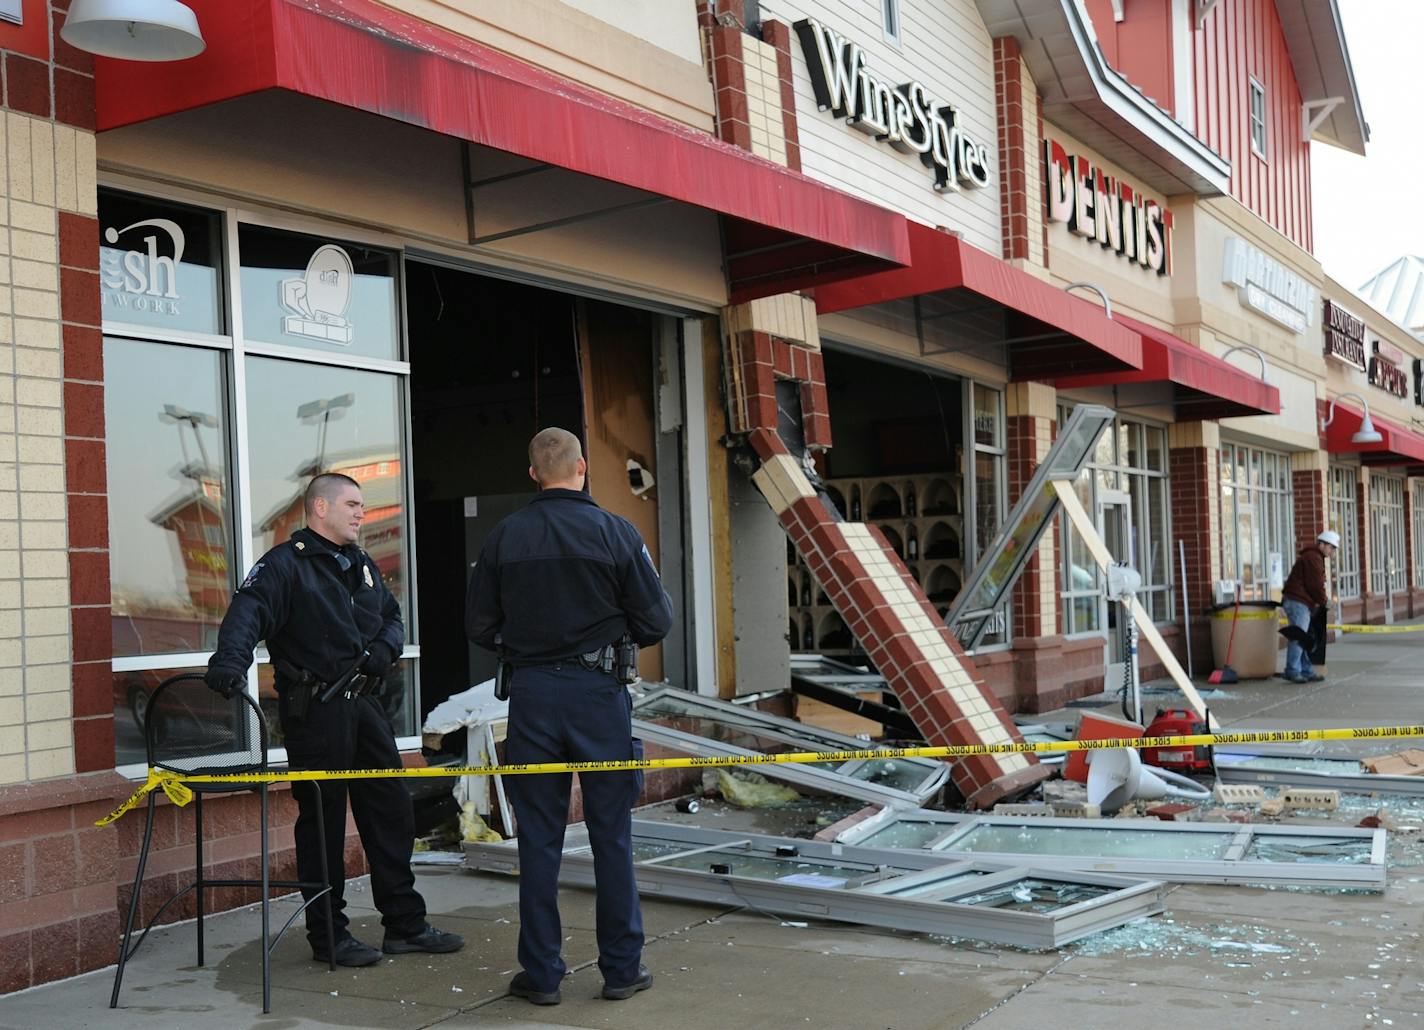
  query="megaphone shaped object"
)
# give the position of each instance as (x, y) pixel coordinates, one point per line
(1117, 776)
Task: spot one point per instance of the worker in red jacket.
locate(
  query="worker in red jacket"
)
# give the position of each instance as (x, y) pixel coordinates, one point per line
(1302, 595)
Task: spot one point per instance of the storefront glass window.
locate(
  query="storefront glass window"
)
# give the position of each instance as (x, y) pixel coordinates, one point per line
(160, 265)
(1417, 497)
(1388, 570)
(989, 487)
(170, 496)
(319, 293)
(1256, 519)
(1345, 520)
(305, 419)
(177, 453)
(1129, 457)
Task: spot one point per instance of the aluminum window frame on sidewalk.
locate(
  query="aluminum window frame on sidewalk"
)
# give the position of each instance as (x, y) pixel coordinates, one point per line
(1231, 868)
(875, 900)
(841, 782)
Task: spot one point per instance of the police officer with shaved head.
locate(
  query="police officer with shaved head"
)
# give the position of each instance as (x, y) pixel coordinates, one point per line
(564, 591)
(333, 631)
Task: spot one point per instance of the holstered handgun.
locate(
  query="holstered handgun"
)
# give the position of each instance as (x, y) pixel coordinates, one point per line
(625, 660)
(299, 684)
(503, 677)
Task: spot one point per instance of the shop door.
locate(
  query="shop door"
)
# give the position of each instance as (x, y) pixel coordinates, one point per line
(1115, 526)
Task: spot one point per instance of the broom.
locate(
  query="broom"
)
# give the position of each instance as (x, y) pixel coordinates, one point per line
(1226, 674)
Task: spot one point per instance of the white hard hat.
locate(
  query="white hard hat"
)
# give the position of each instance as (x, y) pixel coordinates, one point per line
(1330, 537)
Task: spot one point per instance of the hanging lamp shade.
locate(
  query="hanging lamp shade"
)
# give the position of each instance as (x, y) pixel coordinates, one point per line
(1368, 433)
(134, 30)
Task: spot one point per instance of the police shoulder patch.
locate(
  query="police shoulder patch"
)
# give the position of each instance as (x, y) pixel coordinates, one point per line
(252, 576)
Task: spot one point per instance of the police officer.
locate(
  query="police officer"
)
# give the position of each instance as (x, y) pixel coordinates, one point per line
(319, 602)
(558, 583)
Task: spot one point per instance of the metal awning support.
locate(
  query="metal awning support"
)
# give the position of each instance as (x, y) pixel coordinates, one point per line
(717, 729)
(1014, 903)
(1309, 856)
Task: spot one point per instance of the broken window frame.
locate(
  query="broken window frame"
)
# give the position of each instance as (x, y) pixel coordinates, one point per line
(1349, 783)
(971, 616)
(879, 900)
(800, 737)
(1233, 867)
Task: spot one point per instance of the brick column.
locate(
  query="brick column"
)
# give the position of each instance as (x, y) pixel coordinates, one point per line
(1310, 498)
(1042, 678)
(1412, 593)
(1194, 466)
(1372, 604)
(751, 80)
(1021, 179)
(775, 340)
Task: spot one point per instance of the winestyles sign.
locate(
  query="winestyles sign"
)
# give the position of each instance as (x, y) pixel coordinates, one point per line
(904, 116)
(1099, 207)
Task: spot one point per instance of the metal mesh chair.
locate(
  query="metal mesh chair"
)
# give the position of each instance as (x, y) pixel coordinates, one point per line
(191, 729)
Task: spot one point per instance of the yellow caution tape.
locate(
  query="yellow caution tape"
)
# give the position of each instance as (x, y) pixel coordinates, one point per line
(173, 782)
(1378, 629)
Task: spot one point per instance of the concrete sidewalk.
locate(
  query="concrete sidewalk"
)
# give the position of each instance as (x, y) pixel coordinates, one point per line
(1220, 956)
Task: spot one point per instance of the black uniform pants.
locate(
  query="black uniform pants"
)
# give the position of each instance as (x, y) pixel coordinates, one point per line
(565, 712)
(353, 734)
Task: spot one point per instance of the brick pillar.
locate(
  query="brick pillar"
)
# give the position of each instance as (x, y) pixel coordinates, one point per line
(51, 424)
(1412, 605)
(1041, 677)
(775, 339)
(1371, 603)
(1021, 177)
(1194, 466)
(899, 628)
(752, 83)
(1310, 497)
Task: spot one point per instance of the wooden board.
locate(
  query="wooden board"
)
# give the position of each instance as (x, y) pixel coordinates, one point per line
(616, 351)
(1083, 523)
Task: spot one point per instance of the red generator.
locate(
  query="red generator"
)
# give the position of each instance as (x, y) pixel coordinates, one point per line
(1177, 722)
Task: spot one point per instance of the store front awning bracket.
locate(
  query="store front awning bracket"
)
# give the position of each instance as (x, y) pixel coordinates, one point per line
(557, 223)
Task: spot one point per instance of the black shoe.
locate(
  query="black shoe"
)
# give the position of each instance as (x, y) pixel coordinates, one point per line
(1314, 677)
(436, 942)
(349, 952)
(1292, 678)
(644, 981)
(520, 987)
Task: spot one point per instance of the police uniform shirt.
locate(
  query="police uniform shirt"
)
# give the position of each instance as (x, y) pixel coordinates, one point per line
(562, 577)
(317, 604)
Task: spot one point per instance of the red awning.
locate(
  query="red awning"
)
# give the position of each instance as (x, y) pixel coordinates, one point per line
(1400, 446)
(783, 230)
(1203, 385)
(980, 301)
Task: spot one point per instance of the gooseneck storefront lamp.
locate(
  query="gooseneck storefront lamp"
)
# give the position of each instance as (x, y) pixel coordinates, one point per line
(134, 30)
(1367, 432)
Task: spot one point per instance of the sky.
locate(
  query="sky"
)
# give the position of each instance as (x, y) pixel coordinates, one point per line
(1367, 212)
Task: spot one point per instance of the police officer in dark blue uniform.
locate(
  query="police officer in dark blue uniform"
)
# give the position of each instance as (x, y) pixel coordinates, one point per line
(320, 604)
(557, 586)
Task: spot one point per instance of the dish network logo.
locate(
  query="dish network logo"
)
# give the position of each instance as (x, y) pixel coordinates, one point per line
(1099, 207)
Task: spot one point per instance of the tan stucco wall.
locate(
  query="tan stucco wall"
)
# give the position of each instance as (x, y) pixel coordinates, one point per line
(647, 52)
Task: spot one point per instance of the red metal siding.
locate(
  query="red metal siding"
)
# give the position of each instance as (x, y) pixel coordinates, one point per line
(1238, 41)
(1139, 46)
